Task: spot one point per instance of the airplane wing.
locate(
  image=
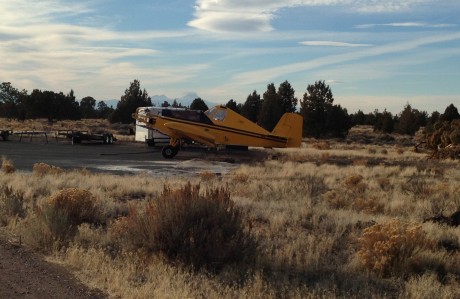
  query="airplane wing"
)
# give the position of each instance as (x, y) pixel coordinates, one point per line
(191, 132)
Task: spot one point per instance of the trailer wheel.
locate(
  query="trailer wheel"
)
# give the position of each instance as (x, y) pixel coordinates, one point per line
(75, 140)
(169, 151)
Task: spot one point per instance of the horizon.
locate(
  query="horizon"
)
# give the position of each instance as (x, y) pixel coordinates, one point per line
(374, 54)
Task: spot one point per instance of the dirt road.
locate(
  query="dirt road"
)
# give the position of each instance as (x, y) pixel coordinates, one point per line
(121, 158)
(24, 274)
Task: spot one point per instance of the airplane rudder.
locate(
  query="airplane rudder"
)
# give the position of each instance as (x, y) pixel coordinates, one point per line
(290, 126)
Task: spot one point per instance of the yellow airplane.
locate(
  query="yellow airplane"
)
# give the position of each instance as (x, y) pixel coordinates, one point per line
(218, 126)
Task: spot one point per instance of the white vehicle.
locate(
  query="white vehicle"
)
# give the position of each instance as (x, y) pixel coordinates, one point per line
(151, 136)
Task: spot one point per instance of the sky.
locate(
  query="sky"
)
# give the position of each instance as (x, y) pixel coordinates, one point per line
(374, 54)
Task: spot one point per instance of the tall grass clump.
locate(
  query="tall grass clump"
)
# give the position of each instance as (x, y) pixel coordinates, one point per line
(41, 169)
(11, 204)
(56, 221)
(201, 230)
(7, 166)
(390, 247)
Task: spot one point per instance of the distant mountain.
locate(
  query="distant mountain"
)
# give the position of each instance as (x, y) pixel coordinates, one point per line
(109, 103)
(185, 100)
(157, 100)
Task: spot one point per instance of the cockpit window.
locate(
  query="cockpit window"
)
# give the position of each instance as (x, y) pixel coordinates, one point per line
(210, 112)
(220, 115)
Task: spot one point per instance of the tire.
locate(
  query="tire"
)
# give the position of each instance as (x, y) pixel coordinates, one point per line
(169, 151)
(76, 140)
(105, 139)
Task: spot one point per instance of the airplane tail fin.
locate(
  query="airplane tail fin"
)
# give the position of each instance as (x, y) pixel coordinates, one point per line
(290, 126)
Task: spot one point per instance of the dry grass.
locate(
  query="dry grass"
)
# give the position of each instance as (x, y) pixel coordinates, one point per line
(188, 227)
(390, 247)
(325, 226)
(41, 169)
(7, 166)
(96, 126)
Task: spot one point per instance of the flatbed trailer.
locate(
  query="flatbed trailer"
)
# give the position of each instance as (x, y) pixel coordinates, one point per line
(78, 136)
(5, 133)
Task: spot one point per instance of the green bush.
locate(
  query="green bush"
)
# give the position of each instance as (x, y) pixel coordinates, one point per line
(199, 230)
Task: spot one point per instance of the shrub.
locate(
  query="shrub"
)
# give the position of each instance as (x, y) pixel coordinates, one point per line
(360, 162)
(241, 178)
(372, 151)
(77, 204)
(57, 220)
(7, 166)
(355, 183)
(371, 205)
(353, 180)
(336, 199)
(321, 145)
(42, 169)
(11, 204)
(384, 183)
(312, 185)
(200, 230)
(389, 247)
(207, 176)
(417, 187)
(55, 224)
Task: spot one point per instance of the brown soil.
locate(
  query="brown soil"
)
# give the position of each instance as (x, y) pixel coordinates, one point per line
(25, 274)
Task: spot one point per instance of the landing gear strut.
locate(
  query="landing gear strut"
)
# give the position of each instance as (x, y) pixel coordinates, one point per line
(170, 151)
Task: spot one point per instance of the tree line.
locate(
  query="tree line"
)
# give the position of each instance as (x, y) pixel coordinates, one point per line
(18, 104)
(322, 118)
(409, 121)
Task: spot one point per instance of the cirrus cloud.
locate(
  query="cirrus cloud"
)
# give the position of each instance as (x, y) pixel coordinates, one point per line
(256, 15)
(332, 44)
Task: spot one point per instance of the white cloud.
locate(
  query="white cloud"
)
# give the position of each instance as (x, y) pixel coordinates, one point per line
(332, 44)
(332, 81)
(39, 50)
(406, 24)
(267, 74)
(24, 12)
(255, 15)
(232, 21)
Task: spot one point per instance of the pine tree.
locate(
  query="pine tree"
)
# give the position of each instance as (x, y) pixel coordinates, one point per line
(251, 107)
(198, 104)
(287, 97)
(133, 98)
(271, 110)
(317, 102)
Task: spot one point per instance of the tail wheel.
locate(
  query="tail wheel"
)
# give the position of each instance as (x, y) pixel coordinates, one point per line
(169, 151)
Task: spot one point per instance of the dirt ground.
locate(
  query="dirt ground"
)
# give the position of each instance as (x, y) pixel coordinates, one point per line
(25, 274)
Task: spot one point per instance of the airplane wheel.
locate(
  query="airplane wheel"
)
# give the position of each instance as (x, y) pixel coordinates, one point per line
(169, 151)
